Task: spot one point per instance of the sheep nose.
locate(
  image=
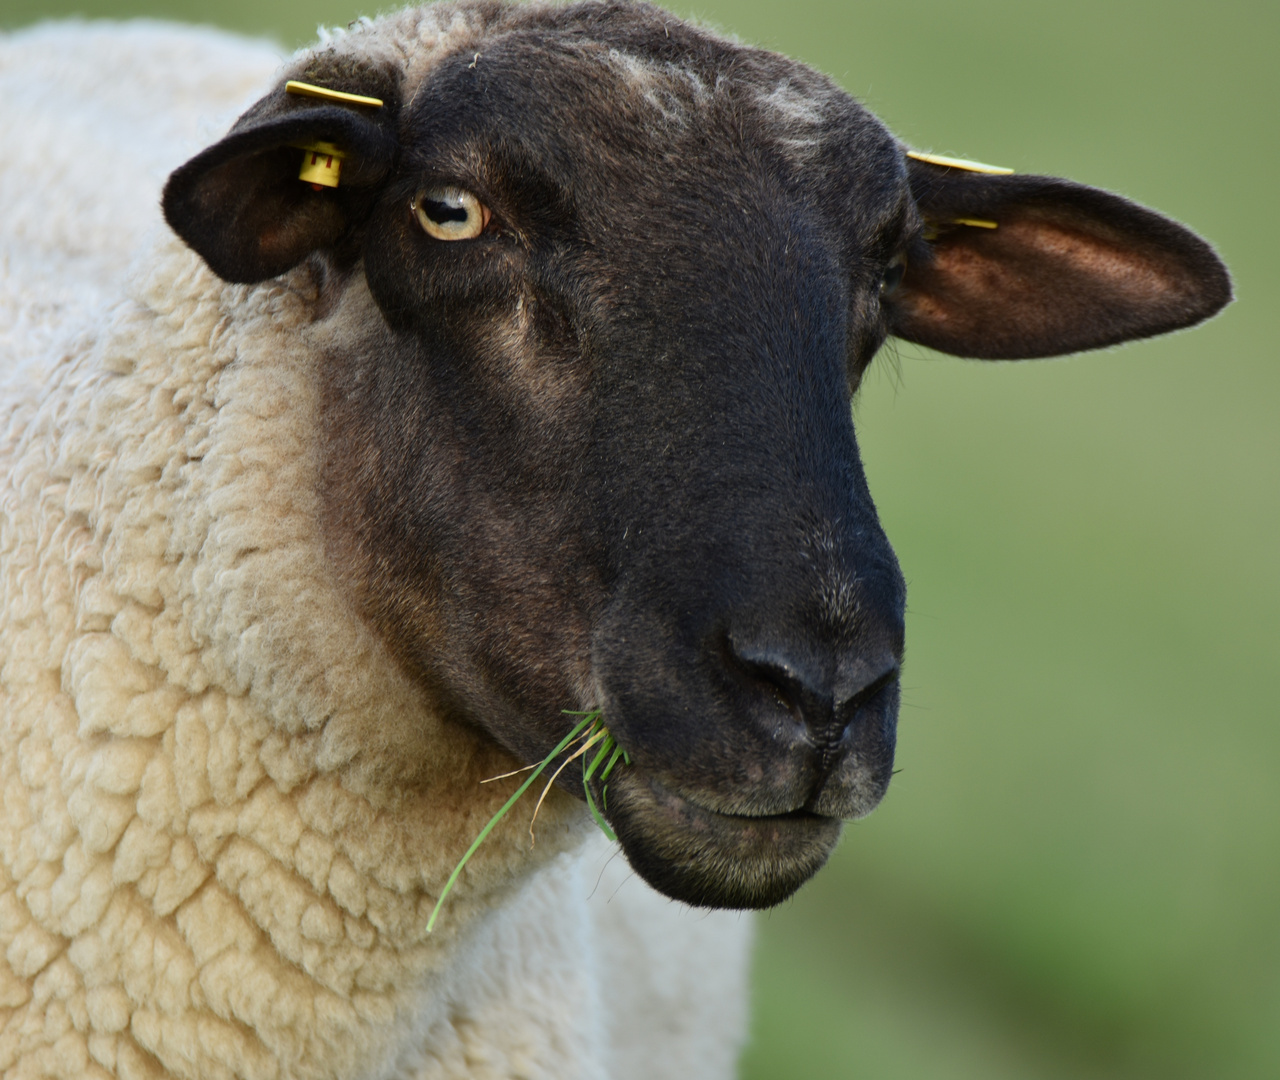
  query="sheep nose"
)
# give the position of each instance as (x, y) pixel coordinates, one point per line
(829, 697)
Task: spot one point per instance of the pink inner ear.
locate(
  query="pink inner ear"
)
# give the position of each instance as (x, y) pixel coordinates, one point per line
(1035, 286)
(1094, 257)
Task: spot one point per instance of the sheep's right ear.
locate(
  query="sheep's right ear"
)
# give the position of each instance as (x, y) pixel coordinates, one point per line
(240, 203)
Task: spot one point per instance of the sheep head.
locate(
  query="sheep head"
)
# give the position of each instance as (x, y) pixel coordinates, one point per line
(598, 289)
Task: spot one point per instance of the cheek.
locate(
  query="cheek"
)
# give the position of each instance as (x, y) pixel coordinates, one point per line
(531, 364)
(455, 505)
(524, 607)
(494, 600)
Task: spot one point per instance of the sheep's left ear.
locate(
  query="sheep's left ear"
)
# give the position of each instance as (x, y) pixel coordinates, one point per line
(241, 204)
(1022, 266)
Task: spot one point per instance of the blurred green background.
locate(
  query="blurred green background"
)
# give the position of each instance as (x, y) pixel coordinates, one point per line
(1077, 872)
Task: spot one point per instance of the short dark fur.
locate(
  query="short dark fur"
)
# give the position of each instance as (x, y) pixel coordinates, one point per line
(602, 454)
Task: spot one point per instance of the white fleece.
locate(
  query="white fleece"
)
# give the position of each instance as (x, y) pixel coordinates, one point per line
(227, 814)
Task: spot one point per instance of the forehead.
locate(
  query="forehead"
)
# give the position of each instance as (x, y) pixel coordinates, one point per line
(645, 98)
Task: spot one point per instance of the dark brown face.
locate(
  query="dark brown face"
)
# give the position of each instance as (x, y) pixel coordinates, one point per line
(627, 477)
(591, 444)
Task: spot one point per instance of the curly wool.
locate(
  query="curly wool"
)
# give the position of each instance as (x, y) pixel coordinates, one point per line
(227, 813)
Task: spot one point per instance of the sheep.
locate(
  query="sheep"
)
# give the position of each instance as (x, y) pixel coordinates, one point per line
(326, 515)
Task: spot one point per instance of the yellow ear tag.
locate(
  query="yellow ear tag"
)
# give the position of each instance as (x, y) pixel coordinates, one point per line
(325, 94)
(932, 228)
(959, 163)
(321, 164)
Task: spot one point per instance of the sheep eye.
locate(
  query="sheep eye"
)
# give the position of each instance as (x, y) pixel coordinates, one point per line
(893, 275)
(451, 213)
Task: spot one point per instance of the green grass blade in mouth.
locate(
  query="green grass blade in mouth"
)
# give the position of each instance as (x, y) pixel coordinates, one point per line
(592, 731)
(594, 734)
(618, 752)
(608, 744)
(599, 817)
(587, 721)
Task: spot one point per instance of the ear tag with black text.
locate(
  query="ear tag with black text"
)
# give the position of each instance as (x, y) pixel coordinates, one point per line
(322, 163)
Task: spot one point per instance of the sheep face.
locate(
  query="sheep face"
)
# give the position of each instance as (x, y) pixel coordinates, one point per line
(644, 490)
(597, 451)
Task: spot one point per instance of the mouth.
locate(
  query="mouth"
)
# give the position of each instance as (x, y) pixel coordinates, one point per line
(706, 858)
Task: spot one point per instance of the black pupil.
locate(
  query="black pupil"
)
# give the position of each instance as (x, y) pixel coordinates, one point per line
(442, 212)
(892, 276)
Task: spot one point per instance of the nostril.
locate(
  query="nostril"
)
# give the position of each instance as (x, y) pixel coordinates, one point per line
(797, 687)
(851, 702)
(787, 689)
(825, 698)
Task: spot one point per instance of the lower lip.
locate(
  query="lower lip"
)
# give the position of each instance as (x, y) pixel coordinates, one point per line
(700, 818)
(710, 859)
